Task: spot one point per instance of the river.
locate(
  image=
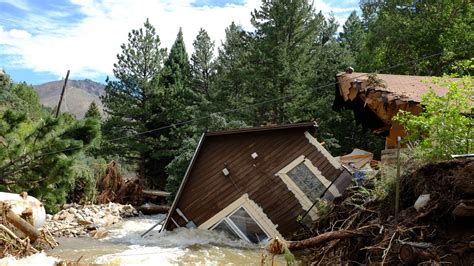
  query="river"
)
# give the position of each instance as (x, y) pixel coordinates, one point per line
(124, 246)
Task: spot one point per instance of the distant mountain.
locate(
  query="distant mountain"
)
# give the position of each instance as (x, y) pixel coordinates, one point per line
(78, 96)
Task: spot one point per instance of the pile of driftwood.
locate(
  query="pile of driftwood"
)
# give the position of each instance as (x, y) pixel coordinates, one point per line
(113, 187)
(362, 229)
(18, 236)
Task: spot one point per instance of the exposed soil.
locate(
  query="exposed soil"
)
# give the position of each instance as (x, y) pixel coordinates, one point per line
(431, 234)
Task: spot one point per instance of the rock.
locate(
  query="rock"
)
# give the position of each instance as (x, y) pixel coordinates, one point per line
(69, 217)
(100, 233)
(78, 220)
(83, 222)
(422, 201)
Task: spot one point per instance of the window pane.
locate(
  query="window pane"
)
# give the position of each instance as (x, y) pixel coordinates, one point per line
(224, 227)
(248, 226)
(306, 181)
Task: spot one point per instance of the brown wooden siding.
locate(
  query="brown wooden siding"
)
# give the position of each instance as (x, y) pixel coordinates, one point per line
(207, 191)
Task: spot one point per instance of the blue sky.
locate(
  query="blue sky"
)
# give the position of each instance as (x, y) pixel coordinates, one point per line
(40, 40)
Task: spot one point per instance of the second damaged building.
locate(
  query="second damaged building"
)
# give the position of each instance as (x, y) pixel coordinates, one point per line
(256, 183)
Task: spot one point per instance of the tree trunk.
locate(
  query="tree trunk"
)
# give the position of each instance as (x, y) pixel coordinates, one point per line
(412, 253)
(328, 236)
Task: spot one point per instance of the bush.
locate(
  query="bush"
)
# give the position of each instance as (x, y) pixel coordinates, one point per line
(445, 126)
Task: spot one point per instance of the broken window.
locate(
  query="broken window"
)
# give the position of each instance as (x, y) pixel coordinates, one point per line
(307, 181)
(241, 225)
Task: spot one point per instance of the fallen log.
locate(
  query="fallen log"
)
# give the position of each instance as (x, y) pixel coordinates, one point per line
(410, 253)
(22, 225)
(155, 193)
(325, 237)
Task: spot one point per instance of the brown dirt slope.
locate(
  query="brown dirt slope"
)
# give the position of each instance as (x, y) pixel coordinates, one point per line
(439, 232)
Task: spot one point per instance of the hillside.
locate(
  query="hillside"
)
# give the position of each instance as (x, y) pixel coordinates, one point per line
(77, 98)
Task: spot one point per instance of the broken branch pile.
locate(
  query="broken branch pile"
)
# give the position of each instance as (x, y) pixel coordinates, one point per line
(112, 187)
(360, 228)
(18, 236)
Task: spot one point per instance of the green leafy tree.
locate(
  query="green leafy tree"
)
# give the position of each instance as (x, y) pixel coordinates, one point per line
(143, 111)
(202, 63)
(445, 126)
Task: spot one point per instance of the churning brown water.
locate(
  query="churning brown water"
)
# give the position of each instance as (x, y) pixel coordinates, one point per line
(124, 246)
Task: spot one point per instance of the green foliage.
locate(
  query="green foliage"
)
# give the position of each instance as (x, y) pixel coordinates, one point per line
(281, 52)
(177, 67)
(38, 156)
(86, 170)
(93, 112)
(231, 77)
(445, 126)
(324, 207)
(352, 36)
(140, 100)
(400, 31)
(202, 63)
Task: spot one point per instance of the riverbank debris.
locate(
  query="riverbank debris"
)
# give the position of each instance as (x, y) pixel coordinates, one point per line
(113, 187)
(361, 228)
(20, 226)
(81, 220)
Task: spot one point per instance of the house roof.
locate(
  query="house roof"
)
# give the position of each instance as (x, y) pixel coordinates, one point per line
(310, 125)
(404, 87)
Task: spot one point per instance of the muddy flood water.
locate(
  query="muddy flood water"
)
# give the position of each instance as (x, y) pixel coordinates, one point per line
(124, 246)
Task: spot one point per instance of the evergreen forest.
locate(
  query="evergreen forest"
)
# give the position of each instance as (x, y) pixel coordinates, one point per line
(160, 101)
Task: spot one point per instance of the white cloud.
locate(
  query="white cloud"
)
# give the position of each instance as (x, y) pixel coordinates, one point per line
(89, 47)
(20, 4)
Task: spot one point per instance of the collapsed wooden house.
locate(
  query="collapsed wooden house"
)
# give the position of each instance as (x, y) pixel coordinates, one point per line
(256, 183)
(376, 99)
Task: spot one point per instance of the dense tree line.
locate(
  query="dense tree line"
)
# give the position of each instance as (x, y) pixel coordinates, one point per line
(276, 73)
(282, 71)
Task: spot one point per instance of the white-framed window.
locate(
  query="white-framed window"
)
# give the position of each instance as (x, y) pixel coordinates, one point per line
(306, 182)
(243, 219)
(241, 225)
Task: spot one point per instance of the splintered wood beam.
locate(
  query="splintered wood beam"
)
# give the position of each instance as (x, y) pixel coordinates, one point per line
(23, 226)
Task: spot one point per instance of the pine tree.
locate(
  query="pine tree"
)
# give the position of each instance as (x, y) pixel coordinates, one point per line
(202, 64)
(231, 72)
(130, 100)
(37, 156)
(143, 112)
(177, 67)
(281, 54)
(352, 35)
(93, 112)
